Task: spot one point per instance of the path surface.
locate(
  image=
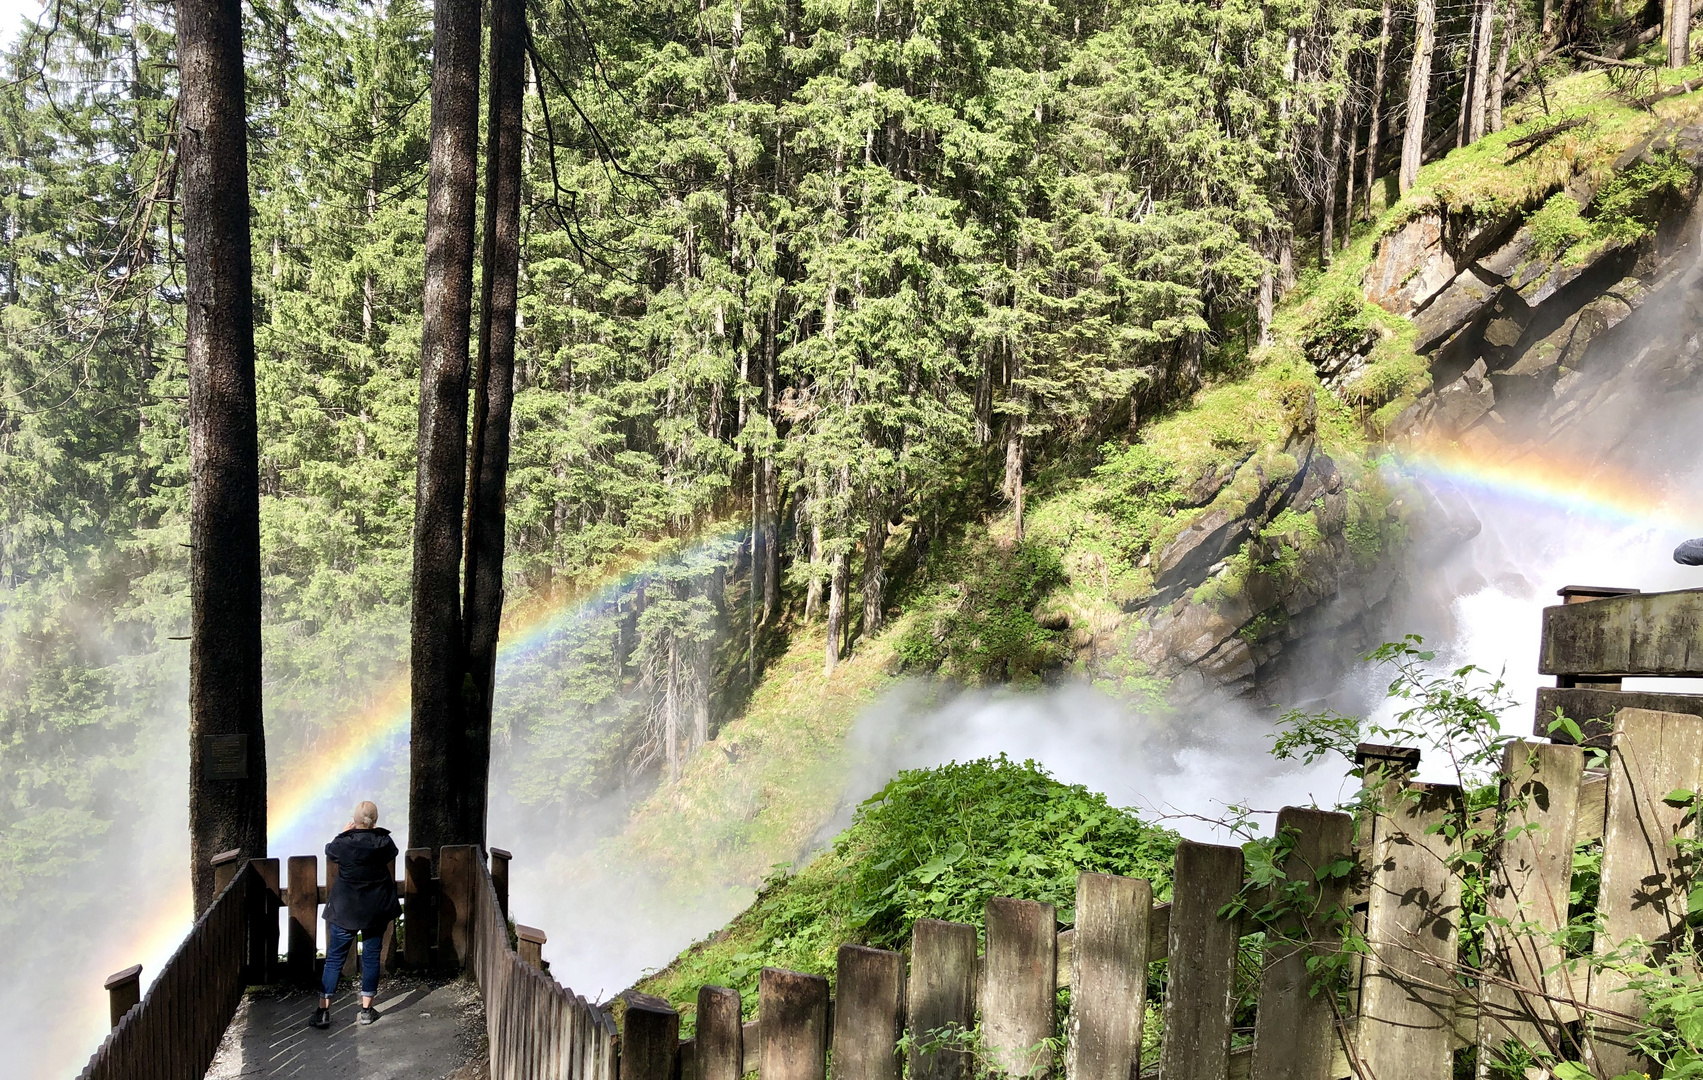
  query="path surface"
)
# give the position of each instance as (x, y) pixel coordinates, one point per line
(427, 1030)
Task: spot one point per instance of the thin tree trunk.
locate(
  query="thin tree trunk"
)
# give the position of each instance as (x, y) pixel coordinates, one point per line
(813, 591)
(1327, 215)
(1380, 73)
(1482, 88)
(1679, 34)
(1418, 90)
(487, 519)
(836, 613)
(1348, 180)
(227, 743)
(874, 574)
(1547, 26)
(1499, 78)
(437, 657)
(1469, 86)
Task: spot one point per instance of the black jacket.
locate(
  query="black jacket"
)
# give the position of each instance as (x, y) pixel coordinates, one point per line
(364, 896)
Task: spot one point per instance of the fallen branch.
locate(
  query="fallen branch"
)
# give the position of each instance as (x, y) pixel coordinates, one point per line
(1547, 133)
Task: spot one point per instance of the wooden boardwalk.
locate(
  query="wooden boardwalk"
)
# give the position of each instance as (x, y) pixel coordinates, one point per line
(428, 1029)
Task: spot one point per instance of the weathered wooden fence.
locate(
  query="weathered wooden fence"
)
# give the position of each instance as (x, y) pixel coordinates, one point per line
(173, 1033)
(957, 1008)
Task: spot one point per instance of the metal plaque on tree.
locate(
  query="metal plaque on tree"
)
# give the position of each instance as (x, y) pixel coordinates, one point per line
(224, 757)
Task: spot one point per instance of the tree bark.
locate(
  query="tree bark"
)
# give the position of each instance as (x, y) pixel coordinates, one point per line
(493, 397)
(1481, 85)
(1327, 212)
(1499, 79)
(874, 573)
(1380, 74)
(1348, 180)
(437, 653)
(836, 612)
(226, 728)
(1679, 34)
(1418, 90)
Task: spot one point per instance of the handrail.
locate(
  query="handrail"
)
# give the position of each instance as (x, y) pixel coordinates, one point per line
(538, 1029)
(174, 1031)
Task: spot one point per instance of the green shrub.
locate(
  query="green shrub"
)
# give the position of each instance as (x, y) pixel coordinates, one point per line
(982, 627)
(933, 844)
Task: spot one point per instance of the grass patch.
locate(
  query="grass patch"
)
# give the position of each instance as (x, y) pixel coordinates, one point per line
(933, 844)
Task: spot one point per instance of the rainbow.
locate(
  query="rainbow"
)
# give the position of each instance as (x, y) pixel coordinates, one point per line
(308, 796)
(1548, 481)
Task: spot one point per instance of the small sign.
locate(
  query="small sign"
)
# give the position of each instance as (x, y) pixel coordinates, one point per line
(224, 757)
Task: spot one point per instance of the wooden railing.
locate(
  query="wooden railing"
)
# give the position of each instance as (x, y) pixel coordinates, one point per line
(173, 1032)
(538, 1030)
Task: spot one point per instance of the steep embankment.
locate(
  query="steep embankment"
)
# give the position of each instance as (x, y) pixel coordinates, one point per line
(1491, 308)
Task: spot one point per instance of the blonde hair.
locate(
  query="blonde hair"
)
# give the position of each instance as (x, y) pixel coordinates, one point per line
(365, 815)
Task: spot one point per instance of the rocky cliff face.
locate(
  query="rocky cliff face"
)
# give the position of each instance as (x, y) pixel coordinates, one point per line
(1530, 322)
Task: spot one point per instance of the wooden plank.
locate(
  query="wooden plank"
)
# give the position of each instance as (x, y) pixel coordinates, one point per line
(123, 992)
(1201, 990)
(869, 1014)
(1634, 634)
(500, 877)
(419, 923)
(458, 871)
(304, 918)
(1593, 708)
(942, 997)
(1295, 1027)
(1529, 883)
(1108, 976)
(264, 945)
(720, 1045)
(1645, 881)
(1413, 909)
(1020, 977)
(794, 1011)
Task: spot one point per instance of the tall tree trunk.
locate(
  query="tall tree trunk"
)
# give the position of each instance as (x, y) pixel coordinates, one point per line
(1351, 172)
(1327, 212)
(1418, 90)
(1547, 24)
(227, 743)
(1481, 85)
(437, 654)
(836, 612)
(493, 397)
(874, 574)
(1469, 85)
(1499, 78)
(1679, 34)
(1374, 127)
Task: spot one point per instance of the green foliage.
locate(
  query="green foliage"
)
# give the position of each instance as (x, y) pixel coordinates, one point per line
(981, 626)
(933, 844)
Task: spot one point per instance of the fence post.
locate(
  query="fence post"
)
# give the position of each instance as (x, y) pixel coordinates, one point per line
(1406, 1029)
(942, 995)
(532, 941)
(869, 1013)
(458, 869)
(1108, 976)
(720, 1047)
(793, 1008)
(304, 917)
(123, 991)
(419, 923)
(1529, 888)
(1295, 1028)
(225, 866)
(1645, 880)
(500, 877)
(1202, 954)
(263, 922)
(1020, 980)
(650, 1039)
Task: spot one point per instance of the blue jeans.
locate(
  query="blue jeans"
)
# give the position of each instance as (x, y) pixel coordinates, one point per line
(338, 942)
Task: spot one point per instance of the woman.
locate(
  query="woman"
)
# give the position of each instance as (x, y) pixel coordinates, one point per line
(363, 900)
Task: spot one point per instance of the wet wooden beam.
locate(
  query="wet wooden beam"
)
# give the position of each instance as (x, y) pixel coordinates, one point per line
(1632, 634)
